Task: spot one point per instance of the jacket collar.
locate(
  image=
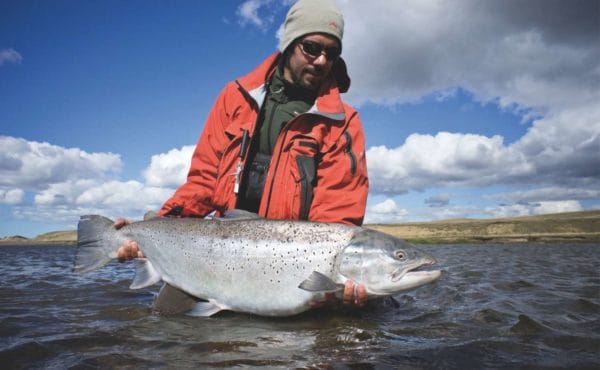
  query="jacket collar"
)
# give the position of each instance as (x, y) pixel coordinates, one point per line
(328, 103)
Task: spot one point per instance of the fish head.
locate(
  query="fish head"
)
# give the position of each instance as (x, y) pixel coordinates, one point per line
(385, 264)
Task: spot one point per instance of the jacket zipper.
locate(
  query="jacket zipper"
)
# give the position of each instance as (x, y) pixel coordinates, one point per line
(251, 138)
(272, 179)
(272, 115)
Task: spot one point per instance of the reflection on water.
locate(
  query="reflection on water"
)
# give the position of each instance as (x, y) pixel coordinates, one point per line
(499, 306)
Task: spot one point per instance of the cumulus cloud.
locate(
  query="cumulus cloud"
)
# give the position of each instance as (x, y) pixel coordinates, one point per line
(69, 182)
(540, 59)
(31, 165)
(560, 150)
(446, 159)
(384, 212)
(9, 56)
(11, 196)
(67, 201)
(169, 169)
(531, 55)
(540, 208)
(124, 195)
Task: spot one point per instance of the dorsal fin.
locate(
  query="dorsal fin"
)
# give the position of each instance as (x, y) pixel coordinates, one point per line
(239, 214)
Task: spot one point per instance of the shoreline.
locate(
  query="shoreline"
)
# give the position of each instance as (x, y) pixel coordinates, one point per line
(573, 227)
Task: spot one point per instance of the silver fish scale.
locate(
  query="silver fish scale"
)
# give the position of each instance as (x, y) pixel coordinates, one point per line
(243, 265)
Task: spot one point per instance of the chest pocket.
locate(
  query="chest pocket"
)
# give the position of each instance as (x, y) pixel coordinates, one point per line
(306, 162)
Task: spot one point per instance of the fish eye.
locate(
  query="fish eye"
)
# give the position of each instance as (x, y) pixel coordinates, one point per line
(400, 254)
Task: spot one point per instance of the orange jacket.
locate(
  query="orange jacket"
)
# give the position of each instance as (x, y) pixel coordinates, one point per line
(330, 136)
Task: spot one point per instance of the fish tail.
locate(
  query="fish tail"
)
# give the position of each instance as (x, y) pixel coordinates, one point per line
(93, 248)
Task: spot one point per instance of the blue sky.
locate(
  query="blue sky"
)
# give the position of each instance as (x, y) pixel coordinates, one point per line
(470, 109)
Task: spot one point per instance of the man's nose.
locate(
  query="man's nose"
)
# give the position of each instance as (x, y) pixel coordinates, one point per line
(320, 60)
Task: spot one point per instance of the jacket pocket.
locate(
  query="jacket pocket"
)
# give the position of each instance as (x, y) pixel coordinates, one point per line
(223, 193)
(307, 168)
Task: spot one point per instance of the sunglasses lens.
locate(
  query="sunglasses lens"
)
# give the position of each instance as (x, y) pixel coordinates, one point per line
(314, 49)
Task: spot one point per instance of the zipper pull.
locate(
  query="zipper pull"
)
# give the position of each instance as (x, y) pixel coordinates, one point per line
(238, 170)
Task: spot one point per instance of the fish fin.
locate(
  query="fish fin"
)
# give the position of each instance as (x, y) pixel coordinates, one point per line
(172, 301)
(238, 214)
(317, 282)
(145, 274)
(150, 215)
(93, 251)
(205, 309)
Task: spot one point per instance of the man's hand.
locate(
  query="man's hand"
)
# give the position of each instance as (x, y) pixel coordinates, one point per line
(130, 248)
(353, 295)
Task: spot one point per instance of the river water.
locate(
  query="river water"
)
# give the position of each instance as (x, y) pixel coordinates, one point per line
(496, 306)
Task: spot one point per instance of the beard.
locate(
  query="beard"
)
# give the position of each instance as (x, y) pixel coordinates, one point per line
(309, 77)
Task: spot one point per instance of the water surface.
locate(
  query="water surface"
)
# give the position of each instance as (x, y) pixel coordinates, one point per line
(496, 306)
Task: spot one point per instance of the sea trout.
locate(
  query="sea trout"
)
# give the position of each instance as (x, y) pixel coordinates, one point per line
(249, 264)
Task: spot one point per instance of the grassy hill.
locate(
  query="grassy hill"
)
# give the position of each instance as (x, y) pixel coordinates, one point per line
(574, 226)
(54, 237)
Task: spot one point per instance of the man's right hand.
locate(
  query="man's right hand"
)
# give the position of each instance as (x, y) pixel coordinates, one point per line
(130, 248)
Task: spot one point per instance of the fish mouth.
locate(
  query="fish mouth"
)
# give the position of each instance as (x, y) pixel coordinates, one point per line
(417, 267)
(408, 277)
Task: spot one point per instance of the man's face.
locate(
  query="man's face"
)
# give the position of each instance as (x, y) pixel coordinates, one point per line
(310, 60)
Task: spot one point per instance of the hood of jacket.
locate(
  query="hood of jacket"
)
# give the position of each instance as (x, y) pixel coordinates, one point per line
(328, 103)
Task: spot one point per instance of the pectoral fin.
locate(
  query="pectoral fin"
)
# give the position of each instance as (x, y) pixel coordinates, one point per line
(317, 282)
(205, 309)
(145, 274)
(173, 301)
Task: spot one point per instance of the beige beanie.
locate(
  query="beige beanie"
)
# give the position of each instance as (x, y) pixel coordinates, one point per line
(311, 16)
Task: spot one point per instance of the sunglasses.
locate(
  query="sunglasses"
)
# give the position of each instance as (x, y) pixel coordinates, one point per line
(314, 50)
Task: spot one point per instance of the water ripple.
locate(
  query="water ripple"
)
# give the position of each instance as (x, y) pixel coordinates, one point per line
(496, 306)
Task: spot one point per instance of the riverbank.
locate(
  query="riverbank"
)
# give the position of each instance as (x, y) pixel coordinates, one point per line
(558, 227)
(65, 237)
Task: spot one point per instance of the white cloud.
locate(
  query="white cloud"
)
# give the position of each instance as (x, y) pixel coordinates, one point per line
(384, 212)
(547, 194)
(124, 195)
(31, 165)
(446, 159)
(539, 58)
(11, 196)
(9, 56)
(67, 201)
(69, 182)
(531, 55)
(112, 195)
(169, 169)
(540, 208)
(248, 12)
(63, 193)
(557, 207)
(562, 149)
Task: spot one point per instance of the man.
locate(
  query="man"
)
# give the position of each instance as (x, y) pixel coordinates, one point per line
(279, 141)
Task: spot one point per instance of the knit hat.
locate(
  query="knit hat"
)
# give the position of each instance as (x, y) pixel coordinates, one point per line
(311, 16)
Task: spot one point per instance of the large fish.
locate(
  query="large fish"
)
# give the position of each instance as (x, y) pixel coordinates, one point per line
(249, 264)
